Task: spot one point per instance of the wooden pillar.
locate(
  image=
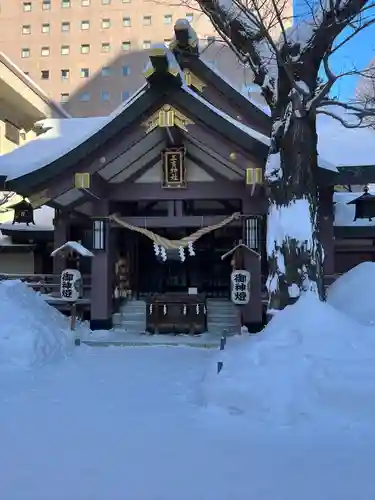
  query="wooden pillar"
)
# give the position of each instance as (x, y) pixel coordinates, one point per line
(326, 226)
(60, 236)
(102, 275)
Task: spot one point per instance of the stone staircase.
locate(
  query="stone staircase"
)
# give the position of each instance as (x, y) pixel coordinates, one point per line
(222, 315)
(131, 316)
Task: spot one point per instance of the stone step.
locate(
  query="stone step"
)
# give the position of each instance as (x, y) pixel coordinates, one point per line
(133, 325)
(221, 326)
(133, 314)
(222, 314)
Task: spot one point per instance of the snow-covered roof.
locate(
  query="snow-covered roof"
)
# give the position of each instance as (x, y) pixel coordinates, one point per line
(43, 218)
(60, 137)
(343, 146)
(75, 246)
(245, 128)
(344, 213)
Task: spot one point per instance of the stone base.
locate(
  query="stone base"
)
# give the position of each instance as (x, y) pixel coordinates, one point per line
(101, 324)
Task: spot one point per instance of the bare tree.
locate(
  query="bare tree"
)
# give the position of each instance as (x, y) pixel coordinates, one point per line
(366, 91)
(6, 199)
(287, 72)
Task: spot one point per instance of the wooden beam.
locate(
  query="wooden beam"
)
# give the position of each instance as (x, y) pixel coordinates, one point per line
(177, 221)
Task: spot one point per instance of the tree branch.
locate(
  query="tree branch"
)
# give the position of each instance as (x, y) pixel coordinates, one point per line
(239, 26)
(342, 121)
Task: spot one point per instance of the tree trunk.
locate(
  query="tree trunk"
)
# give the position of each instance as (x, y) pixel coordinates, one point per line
(294, 252)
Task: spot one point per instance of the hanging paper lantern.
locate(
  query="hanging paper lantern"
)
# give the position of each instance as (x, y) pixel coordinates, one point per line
(191, 249)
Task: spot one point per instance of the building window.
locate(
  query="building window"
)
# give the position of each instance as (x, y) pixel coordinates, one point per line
(126, 46)
(27, 7)
(46, 28)
(44, 51)
(85, 48)
(146, 20)
(25, 53)
(125, 95)
(65, 4)
(146, 44)
(26, 29)
(106, 2)
(84, 97)
(64, 97)
(65, 49)
(168, 19)
(106, 71)
(85, 25)
(125, 70)
(105, 96)
(65, 26)
(85, 3)
(65, 73)
(46, 5)
(84, 73)
(44, 74)
(190, 17)
(126, 22)
(106, 47)
(106, 24)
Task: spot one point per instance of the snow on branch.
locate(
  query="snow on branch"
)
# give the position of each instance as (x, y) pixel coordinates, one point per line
(248, 27)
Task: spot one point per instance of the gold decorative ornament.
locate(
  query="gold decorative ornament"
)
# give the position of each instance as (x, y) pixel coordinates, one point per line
(192, 80)
(82, 180)
(254, 176)
(167, 116)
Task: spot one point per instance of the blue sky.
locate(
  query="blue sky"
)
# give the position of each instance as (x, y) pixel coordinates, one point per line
(358, 52)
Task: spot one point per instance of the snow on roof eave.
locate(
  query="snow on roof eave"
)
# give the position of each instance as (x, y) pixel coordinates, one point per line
(30, 148)
(326, 165)
(244, 128)
(9, 227)
(75, 246)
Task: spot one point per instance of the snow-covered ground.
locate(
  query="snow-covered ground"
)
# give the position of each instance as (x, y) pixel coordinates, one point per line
(290, 416)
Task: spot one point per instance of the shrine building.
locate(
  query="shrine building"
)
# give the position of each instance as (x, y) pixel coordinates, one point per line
(163, 189)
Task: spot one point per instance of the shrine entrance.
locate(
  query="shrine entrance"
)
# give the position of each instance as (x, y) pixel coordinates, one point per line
(204, 271)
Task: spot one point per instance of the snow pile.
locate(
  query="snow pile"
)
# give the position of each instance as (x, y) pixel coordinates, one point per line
(312, 367)
(354, 293)
(32, 332)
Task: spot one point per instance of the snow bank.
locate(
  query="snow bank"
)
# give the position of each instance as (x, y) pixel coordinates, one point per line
(32, 332)
(312, 365)
(354, 293)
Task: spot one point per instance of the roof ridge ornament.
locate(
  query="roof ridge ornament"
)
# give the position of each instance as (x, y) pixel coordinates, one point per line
(162, 63)
(185, 38)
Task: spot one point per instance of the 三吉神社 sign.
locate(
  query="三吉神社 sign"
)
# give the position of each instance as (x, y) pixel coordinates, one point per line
(173, 168)
(71, 285)
(240, 287)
